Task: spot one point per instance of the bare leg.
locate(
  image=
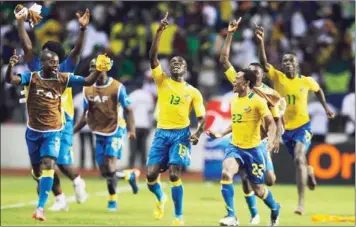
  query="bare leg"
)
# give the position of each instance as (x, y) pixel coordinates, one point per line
(301, 175)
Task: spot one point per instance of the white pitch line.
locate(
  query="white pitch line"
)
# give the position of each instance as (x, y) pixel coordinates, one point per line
(72, 199)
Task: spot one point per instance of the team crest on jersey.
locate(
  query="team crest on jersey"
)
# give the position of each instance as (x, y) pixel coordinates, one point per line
(187, 97)
(247, 109)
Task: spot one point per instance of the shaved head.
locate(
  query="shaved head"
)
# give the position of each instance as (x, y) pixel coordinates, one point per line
(178, 68)
(47, 55)
(50, 63)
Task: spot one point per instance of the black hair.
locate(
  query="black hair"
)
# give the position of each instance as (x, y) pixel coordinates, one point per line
(56, 48)
(291, 53)
(249, 75)
(257, 64)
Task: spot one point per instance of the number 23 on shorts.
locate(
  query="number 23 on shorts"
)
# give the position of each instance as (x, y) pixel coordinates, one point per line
(183, 150)
(257, 170)
(116, 143)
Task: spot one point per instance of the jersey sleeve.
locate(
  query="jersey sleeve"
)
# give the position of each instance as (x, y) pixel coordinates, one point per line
(263, 109)
(75, 80)
(273, 74)
(198, 104)
(85, 104)
(158, 75)
(68, 65)
(25, 78)
(123, 97)
(231, 74)
(312, 84)
(85, 101)
(34, 64)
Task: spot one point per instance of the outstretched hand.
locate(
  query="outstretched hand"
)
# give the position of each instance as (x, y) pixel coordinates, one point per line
(194, 139)
(103, 63)
(14, 58)
(214, 135)
(233, 25)
(132, 135)
(164, 23)
(84, 19)
(259, 33)
(330, 114)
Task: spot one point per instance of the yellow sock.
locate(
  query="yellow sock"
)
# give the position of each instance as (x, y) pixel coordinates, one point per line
(113, 197)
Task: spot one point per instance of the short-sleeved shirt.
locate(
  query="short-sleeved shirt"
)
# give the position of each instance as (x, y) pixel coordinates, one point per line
(175, 101)
(246, 114)
(295, 91)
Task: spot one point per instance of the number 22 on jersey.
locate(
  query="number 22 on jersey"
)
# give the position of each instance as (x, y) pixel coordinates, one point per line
(236, 118)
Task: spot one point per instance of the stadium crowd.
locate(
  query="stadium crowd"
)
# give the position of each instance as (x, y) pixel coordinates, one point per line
(322, 34)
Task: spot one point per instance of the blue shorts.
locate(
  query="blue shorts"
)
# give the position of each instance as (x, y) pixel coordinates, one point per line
(267, 156)
(109, 146)
(170, 147)
(251, 159)
(65, 156)
(42, 144)
(302, 134)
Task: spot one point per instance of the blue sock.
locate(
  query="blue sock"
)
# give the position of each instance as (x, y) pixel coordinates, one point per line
(155, 188)
(269, 200)
(251, 203)
(177, 196)
(46, 183)
(227, 190)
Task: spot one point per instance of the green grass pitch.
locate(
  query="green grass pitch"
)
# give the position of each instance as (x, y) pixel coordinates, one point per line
(203, 204)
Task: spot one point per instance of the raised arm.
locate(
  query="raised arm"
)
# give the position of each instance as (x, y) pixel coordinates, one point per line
(225, 53)
(321, 96)
(10, 77)
(153, 54)
(103, 64)
(24, 38)
(83, 22)
(260, 36)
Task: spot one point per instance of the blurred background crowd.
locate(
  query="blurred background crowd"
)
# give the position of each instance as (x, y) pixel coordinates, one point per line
(322, 34)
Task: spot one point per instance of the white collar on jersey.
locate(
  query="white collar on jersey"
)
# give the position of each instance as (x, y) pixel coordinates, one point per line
(108, 82)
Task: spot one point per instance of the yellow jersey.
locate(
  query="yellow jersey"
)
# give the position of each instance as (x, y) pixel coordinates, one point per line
(67, 102)
(247, 114)
(295, 91)
(231, 76)
(175, 101)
